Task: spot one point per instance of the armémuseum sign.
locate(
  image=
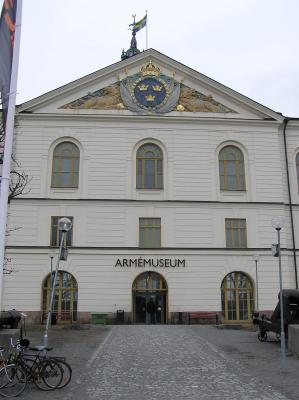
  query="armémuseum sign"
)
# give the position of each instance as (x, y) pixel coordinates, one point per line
(141, 262)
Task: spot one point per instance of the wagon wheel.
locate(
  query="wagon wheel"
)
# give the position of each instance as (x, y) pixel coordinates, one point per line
(262, 336)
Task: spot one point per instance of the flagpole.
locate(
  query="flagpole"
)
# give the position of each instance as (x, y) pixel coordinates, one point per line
(9, 128)
(146, 31)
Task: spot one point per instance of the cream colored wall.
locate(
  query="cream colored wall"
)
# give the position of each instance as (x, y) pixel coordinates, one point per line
(102, 287)
(116, 224)
(107, 164)
(194, 218)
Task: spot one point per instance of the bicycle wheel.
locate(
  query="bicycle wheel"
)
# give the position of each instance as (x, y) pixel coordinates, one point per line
(48, 375)
(67, 373)
(13, 380)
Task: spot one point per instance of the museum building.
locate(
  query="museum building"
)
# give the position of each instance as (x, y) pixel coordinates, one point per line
(171, 181)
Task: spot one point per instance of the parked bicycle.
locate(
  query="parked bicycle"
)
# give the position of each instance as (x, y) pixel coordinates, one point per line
(45, 373)
(43, 354)
(13, 377)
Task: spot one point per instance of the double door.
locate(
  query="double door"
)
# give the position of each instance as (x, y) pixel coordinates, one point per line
(150, 307)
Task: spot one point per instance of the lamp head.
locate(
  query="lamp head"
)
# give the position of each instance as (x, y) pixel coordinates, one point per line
(256, 257)
(278, 223)
(52, 253)
(64, 224)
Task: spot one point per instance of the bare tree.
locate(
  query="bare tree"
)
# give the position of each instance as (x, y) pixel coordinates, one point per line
(18, 186)
(19, 180)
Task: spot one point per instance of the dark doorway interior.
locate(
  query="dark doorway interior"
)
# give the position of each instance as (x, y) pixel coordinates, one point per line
(150, 299)
(150, 308)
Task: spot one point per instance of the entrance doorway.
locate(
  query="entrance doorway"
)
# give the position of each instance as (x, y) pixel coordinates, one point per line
(150, 299)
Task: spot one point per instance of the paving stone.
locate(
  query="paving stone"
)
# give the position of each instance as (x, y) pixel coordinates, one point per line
(171, 362)
(168, 362)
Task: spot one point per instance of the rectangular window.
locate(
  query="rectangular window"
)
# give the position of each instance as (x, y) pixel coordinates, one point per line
(56, 233)
(150, 232)
(235, 233)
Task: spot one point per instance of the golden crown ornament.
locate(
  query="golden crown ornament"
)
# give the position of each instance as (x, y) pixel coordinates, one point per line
(150, 70)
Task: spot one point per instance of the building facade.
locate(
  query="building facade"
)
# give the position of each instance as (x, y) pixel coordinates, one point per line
(171, 180)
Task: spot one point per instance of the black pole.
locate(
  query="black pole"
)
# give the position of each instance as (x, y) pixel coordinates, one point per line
(282, 333)
(285, 122)
(257, 286)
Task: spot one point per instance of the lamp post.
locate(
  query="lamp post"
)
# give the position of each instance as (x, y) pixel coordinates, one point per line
(51, 255)
(256, 258)
(64, 225)
(278, 224)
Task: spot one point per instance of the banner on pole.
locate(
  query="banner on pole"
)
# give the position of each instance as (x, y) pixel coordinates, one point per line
(7, 35)
(136, 26)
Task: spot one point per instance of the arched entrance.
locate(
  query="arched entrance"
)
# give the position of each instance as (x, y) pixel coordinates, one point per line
(65, 297)
(149, 299)
(237, 297)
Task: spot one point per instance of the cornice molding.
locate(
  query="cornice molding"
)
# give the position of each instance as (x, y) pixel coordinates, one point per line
(150, 251)
(217, 202)
(146, 118)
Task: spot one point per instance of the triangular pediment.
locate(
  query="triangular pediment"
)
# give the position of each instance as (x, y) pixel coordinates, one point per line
(109, 98)
(149, 83)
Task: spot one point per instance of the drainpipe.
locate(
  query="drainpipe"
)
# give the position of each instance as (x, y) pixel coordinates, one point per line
(285, 122)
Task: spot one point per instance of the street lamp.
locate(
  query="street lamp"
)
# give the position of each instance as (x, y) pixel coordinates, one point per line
(51, 254)
(64, 225)
(256, 258)
(278, 224)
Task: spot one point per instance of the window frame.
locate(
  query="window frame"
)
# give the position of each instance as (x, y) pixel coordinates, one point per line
(224, 184)
(59, 292)
(149, 278)
(68, 238)
(156, 174)
(231, 295)
(229, 239)
(73, 173)
(150, 229)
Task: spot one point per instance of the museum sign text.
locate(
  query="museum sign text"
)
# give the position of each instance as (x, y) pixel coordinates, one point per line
(150, 262)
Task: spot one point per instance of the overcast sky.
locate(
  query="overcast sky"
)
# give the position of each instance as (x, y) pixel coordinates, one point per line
(249, 45)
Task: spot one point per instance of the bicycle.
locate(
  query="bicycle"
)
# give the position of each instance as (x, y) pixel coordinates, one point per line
(13, 378)
(67, 371)
(65, 368)
(46, 374)
(61, 361)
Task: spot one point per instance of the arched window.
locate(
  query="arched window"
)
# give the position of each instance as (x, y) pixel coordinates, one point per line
(150, 281)
(237, 297)
(65, 297)
(297, 168)
(65, 170)
(231, 169)
(149, 167)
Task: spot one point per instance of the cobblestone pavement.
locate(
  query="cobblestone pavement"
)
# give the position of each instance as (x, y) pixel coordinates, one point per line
(261, 359)
(168, 362)
(78, 346)
(171, 362)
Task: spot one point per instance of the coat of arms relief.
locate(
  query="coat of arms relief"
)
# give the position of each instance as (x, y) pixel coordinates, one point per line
(149, 92)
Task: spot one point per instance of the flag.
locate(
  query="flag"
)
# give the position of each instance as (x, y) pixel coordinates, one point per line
(7, 34)
(140, 24)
